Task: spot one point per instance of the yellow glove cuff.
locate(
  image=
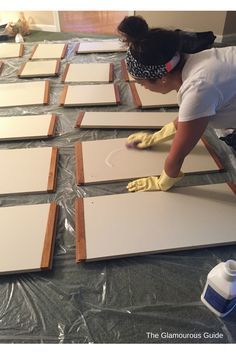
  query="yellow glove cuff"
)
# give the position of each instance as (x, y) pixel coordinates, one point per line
(165, 182)
(166, 133)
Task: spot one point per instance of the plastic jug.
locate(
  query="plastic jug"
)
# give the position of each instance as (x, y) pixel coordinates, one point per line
(219, 294)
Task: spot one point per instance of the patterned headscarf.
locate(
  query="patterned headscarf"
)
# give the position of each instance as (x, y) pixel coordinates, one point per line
(142, 71)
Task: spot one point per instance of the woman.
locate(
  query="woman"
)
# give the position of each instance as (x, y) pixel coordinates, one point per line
(206, 91)
(191, 42)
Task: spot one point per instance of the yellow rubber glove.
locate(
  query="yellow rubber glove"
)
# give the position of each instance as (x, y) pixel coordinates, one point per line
(144, 140)
(162, 183)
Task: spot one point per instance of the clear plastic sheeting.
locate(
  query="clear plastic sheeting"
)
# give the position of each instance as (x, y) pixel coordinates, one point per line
(145, 299)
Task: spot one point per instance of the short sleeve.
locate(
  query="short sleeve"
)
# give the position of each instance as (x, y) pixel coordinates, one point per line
(197, 99)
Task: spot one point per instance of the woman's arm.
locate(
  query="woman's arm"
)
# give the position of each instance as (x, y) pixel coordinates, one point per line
(186, 137)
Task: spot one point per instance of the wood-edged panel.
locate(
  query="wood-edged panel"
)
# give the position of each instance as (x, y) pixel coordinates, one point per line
(24, 94)
(43, 68)
(124, 120)
(49, 51)
(1, 66)
(88, 72)
(144, 98)
(89, 95)
(27, 235)
(110, 160)
(30, 170)
(80, 230)
(101, 47)
(11, 50)
(126, 75)
(49, 240)
(143, 223)
(51, 187)
(79, 166)
(27, 127)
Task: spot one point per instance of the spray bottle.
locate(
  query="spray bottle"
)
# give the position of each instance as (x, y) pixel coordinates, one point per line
(219, 294)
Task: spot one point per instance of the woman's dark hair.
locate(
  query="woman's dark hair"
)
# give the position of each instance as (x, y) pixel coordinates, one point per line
(149, 46)
(133, 28)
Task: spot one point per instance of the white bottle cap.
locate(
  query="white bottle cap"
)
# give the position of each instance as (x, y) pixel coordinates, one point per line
(230, 269)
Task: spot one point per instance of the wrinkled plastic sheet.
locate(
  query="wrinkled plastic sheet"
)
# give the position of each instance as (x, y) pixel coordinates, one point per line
(142, 299)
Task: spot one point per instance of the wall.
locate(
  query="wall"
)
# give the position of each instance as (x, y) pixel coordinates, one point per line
(40, 17)
(7, 16)
(187, 20)
(39, 20)
(230, 26)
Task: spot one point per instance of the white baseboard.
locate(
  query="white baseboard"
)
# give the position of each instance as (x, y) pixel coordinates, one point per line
(41, 27)
(218, 39)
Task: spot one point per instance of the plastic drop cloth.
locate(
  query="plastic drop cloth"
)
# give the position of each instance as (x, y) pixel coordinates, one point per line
(145, 299)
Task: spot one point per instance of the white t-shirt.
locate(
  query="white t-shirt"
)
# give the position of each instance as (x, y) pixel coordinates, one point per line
(209, 87)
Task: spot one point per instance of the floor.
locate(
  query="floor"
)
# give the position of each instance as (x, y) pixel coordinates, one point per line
(102, 22)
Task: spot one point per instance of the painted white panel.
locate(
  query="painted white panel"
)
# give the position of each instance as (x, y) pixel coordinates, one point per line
(80, 95)
(20, 94)
(94, 72)
(154, 99)
(22, 234)
(127, 119)
(9, 50)
(111, 160)
(23, 127)
(101, 46)
(24, 170)
(136, 223)
(49, 51)
(39, 68)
